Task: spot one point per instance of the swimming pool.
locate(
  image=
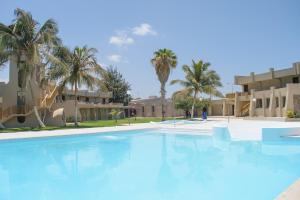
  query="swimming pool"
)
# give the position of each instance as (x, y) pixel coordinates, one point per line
(145, 164)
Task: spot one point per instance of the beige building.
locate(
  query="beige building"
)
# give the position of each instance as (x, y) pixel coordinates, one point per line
(151, 107)
(269, 94)
(92, 105)
(18, 107)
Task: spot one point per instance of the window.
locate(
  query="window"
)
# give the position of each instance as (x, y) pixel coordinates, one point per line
(277, 102)
(283, 101)
(103, 101)
(87, 99)
(143, 109)
(296, 80)
(259, 103)
(267, 102)
(153, 109)
(77, 98)
(246, 89)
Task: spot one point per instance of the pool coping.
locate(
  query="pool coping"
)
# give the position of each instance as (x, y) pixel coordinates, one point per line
(291, 193)
(97, 130)
(70, 132)
(252, 130)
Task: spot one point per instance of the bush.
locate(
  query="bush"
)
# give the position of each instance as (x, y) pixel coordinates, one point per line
(291, 114)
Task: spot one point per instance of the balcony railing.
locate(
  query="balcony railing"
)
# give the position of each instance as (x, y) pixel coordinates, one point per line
(100, 104)
(232, 95)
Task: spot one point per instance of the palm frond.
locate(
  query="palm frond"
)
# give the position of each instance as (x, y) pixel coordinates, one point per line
(199, 78)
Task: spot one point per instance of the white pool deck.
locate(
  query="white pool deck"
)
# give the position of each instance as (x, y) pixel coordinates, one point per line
(239, 130)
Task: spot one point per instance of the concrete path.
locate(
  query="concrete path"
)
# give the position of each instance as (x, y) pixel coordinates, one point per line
(292, 193)
(239, 129)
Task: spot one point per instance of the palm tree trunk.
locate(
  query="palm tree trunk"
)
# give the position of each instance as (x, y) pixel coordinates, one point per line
(163, 96)
(2, 126)
(76, 122)
(35, 109)
(193, 106)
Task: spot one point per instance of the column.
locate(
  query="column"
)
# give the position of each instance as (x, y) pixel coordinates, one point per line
(264, 105)
(252, 104)
(237, 108)
(280, 104)
(272, 102)
(289, 101)
(210, 109)
(224, 108)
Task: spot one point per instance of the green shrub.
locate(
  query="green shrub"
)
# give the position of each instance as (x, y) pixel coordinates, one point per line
(290, 114)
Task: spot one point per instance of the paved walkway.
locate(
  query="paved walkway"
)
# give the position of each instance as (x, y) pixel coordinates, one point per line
(292, 193)
(239, 129)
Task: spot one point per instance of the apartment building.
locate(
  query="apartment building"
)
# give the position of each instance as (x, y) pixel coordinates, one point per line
(26, 106)
(151, 107)
(92, 105)
(269, 94)
(19, 105)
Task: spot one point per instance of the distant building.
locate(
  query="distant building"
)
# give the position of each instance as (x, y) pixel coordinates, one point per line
(269, 94)
(92, 105)
(151, 107)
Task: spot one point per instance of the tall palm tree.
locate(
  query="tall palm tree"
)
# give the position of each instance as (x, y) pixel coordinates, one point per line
(23, 42)
(199, 79)
(76, 68)
(164, 60)
(3, 57)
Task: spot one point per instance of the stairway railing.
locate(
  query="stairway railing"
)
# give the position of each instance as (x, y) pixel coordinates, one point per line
(49, 98)
(245, 109)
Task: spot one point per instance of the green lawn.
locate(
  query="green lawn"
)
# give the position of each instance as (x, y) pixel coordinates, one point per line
(88, 124)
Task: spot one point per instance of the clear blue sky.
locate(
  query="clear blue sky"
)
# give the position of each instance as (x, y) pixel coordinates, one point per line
(235, 36)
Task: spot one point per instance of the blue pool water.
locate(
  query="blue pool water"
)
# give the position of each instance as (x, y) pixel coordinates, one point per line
(145, 165)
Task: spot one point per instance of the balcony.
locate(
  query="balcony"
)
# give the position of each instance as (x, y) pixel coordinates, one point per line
(83, 104)
(232, 95)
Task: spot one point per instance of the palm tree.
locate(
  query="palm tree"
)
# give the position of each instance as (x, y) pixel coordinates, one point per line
(76, 68)
(199, 79)
(23, 42)
(163, 61)
(115, 114)
(3, 57)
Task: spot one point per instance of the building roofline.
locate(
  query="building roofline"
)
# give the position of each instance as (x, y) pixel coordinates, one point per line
(272, 74)
(87, 93)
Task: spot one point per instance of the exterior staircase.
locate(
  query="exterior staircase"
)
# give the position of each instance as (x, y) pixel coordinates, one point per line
(49, 98)
(245, 109)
